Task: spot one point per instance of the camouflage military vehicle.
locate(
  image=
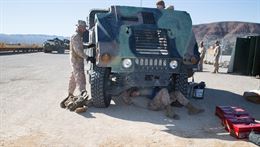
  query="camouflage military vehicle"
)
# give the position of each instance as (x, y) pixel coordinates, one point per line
(66, 43)
(139, 47)
(54, 45)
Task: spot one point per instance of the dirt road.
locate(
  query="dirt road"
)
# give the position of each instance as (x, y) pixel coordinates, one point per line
(32, 85)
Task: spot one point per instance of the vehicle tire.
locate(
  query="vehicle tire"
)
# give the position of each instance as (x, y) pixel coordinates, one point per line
(190, 72)
(61, 51)
(99, 80)
(47, 48)
(182, 84)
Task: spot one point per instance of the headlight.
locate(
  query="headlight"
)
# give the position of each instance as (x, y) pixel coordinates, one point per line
(106, 58)
(173, 64)
(127, 63)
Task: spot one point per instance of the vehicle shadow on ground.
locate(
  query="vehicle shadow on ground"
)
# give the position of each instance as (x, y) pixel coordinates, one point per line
(204, 125)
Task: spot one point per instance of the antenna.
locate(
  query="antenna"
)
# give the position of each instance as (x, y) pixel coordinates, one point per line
(141, 3)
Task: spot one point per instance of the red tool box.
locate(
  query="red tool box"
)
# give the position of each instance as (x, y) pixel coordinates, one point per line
(243, 130)
(229, 122)
(230, 111)
(237, 121)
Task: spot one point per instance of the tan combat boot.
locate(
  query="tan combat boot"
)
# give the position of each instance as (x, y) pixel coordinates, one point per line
(192, 110)
(62, 103)
(170, 113)
(81, 109)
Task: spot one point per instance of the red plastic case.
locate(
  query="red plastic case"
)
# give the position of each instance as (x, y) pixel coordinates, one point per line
(243, 130)
(237, 121)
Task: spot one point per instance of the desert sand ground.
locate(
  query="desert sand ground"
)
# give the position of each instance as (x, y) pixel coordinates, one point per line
(32, 86)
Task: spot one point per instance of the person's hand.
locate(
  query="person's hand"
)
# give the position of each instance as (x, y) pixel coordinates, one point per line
(91, 45)
(91, 59)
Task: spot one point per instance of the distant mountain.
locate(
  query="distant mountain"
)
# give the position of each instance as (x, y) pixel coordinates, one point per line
(225, 32)
(27, 38)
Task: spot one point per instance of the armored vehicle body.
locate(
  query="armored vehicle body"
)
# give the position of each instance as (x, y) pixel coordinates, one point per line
(54, 45)
(139, 47)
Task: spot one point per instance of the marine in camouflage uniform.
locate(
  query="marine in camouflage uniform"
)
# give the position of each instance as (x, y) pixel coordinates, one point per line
(164, 98)
(202, 51)
(162, 101)
(216, 57)
(77, 57)
(160, 4)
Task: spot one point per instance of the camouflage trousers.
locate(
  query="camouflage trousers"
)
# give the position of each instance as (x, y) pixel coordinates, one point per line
(200, 65)
(216, 64)
(77, 77)
(163, 98)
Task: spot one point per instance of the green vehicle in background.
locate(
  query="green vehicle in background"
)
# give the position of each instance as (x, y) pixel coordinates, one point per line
(55, 45)
(139, 47)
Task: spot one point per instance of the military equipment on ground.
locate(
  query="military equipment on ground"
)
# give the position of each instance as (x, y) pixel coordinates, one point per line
(54, 45)
(19, 47)
(139, 47)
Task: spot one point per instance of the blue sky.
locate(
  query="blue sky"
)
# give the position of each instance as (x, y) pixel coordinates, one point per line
(58, 17)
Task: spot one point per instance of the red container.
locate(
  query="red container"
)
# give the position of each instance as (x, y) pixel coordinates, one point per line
(237, 121)
(243, 130)
(227, 111)
(239, 111)
(241, 120)
(220, 111)
(228, 123)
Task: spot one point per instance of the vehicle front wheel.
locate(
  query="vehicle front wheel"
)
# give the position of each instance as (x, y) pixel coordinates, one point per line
(99, 80)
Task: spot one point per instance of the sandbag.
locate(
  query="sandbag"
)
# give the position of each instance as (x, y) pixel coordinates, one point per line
(252, 96)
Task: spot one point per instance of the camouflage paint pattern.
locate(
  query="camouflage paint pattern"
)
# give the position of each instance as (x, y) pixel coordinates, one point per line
(113, 32)
(150, 37)
(77, 57)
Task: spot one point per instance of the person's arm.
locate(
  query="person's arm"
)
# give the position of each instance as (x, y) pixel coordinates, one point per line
(204, 50)
(217, 50)
(78, 47)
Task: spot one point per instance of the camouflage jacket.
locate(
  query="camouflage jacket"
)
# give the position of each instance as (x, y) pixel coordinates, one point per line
(76, 48)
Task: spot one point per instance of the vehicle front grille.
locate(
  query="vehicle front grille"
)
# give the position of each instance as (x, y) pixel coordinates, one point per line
(151, 42)
(151, 64)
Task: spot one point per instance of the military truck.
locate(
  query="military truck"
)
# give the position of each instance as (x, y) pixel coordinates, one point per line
(139, 47)
(66, 43)
(54, 45)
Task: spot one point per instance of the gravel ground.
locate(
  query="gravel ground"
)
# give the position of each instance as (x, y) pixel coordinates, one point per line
(32, 85)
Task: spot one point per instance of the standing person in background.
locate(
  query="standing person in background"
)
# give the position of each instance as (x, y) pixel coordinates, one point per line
(217, 52)
(202, 51)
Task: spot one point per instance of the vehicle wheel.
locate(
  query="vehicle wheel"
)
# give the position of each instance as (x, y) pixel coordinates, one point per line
(61, 51)
(190, 72)
(46, 48)
(99, 80)
(182, 84)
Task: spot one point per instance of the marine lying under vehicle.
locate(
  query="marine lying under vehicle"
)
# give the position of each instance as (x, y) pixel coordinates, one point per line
(139, 47)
